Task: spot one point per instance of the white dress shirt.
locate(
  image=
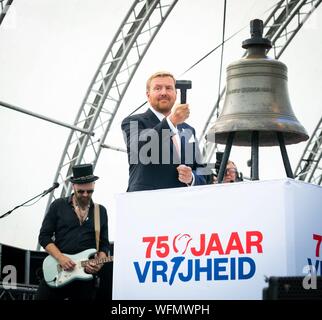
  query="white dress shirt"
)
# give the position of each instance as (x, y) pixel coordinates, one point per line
(174, 129)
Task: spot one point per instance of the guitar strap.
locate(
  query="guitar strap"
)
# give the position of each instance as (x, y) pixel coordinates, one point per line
(97, 224)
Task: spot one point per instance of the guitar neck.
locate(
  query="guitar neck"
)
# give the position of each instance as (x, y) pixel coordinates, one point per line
(97, 261)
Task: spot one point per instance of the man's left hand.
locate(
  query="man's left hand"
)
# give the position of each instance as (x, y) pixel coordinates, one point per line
(92, 266)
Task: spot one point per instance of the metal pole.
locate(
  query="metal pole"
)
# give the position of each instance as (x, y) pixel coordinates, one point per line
(107, 146)
(254, 167)
(286, 161)
(4, 9)
(36, 115)
(27, 267)
(225, 157)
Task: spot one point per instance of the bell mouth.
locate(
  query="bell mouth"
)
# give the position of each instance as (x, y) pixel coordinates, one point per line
(267, 138)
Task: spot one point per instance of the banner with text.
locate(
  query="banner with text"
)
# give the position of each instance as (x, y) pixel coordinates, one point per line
(216, 241)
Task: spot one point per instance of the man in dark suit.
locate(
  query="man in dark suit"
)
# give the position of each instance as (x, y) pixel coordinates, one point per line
(162, 148)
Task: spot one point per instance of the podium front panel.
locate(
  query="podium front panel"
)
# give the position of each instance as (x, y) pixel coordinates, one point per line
(213, 242)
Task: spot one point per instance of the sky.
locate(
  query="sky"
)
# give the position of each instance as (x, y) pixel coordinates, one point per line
(49, 52)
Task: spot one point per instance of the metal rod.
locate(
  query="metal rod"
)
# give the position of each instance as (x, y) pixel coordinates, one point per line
(106, 146)
(225, 157)
(286, 161)
(254, 175)
(0, 259)
(36, 115)
(27, 267)
(4, 9)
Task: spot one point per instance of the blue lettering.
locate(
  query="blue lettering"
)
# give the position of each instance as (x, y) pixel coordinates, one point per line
(142, 276)
(189, 274)
(199, 269)
(176, 263)
(316, 265)
(233, 269)
(194, 269)
(241, 271)
(161, 272)
(218, 269)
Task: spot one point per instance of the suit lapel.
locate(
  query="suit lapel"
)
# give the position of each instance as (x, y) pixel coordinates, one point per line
(151, 118)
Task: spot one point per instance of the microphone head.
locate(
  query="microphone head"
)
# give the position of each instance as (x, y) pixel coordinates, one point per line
(56, 185)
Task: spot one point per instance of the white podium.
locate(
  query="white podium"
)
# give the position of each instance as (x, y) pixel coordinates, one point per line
(214, 241)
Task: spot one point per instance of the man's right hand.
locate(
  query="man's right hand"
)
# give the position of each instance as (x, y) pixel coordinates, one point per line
(66, 263)
(179, 114)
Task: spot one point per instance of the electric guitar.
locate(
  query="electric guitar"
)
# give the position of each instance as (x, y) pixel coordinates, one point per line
(56, 276)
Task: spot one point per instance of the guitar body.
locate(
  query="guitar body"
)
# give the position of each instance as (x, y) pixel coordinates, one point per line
(56, 277)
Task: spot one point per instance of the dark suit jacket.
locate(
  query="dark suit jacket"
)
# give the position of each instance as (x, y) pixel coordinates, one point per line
(152, 156)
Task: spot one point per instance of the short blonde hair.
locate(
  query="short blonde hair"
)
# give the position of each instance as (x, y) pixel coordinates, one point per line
(232, 162)
(159, 74)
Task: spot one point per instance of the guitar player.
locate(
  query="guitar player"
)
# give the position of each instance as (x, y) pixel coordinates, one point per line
(68, 229)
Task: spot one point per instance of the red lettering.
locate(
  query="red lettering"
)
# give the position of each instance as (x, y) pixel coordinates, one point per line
(162, 250)
(317, 248)
(214, 245)
(201, 251)
(162, 247)
(254, 243)
(151, 241)
(234, 243)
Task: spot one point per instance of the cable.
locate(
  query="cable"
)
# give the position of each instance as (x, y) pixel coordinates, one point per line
(31, 204)
(222, 53)
(200, 60)
(138, 108)
(213, 50)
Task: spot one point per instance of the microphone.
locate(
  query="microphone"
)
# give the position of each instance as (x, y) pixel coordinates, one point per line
(55, 185)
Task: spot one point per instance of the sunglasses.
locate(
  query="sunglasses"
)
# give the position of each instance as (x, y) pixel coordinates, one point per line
(80, 191)
(231, 170)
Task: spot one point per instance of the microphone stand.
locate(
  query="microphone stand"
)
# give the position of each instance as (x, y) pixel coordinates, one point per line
(20, 205)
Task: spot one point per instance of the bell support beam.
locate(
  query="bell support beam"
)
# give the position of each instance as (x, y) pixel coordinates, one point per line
(225, 157)
(286, 161)
(254, 156)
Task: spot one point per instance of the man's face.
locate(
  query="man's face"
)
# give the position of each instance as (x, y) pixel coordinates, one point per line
(231, 173)
(83, 193)
(162, 94)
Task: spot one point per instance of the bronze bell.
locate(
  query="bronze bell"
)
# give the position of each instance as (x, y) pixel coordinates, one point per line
(257, 98)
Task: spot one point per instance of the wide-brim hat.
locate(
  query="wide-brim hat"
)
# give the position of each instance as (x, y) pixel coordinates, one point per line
(83, 173)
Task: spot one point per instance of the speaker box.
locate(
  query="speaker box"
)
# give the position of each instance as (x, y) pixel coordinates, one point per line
(36, 260)
(291, 288)
(22, 259)
(15, 257)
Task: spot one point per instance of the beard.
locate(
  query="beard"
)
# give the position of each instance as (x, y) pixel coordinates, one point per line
(163, 105)
(83, 201)
(163, 110)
